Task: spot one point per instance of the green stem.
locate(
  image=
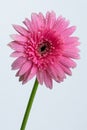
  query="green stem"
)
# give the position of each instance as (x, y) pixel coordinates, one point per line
(29, 105)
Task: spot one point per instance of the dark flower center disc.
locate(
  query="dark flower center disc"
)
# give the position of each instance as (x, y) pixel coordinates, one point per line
(44, 47)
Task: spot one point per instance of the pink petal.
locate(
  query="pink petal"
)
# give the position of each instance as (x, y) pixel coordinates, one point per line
(50, 19)
(40, 77)
(70, 47)
(60, 24)
(21, 30)
(67, 62)
(35, 21)
(16, 46)
(19, 38)
(32, 73)
(28, 24)
(17, 54)
(47, 80)
(59, 70)
(23, 77)
(71, 41)
(68, 31)
(52, 72)
(71, 54)
(56, 72)
(18, 63)
(66, 70)
(25, 67)
(41, 21)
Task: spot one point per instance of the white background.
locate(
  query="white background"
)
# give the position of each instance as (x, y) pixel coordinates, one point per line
(65, 106)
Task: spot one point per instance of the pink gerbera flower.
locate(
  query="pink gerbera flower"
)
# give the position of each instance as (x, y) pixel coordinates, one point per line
(45, 48)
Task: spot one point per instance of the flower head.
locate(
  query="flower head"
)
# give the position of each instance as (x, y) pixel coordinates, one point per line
(45, 48)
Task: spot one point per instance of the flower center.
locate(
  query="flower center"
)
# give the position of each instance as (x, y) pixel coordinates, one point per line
(43, 48)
